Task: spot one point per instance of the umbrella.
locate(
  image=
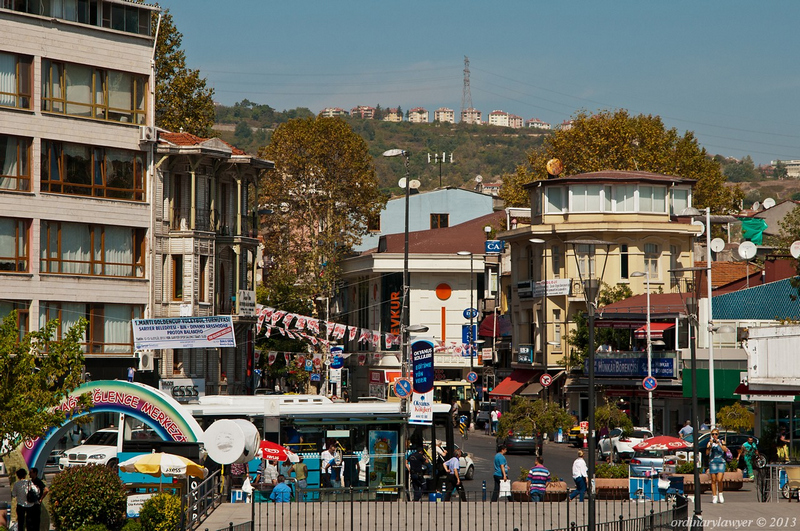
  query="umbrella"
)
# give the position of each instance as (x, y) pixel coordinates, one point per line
(271, 450)
(162, 464)
(662, 442)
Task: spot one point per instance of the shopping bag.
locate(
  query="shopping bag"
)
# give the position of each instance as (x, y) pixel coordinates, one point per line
(505, 488)
(247, 488)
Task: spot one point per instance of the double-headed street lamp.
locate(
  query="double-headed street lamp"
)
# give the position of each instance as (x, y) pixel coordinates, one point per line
(591, 289)
(646, 274)
(470, 338)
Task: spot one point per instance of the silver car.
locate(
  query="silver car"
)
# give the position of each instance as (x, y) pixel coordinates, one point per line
(649, 463)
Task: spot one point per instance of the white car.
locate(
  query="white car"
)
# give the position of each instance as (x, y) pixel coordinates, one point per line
(465, 464)
(99, 449)
(619, 446)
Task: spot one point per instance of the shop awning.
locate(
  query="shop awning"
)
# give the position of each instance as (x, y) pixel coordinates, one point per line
(490, 328)
(656, 330)
(744, 389)
(513, 383)
(532, 389)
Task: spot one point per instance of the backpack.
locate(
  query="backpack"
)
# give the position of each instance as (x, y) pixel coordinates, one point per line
(32, 496)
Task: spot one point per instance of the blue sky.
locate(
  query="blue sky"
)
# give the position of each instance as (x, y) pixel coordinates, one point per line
(726, 70)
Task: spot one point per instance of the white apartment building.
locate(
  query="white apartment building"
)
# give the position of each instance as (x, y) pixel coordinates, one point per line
(538, 124)
(393, 115)
(515, 121)
(363, 111)
(471, 116)
(443, 114)
(332, 112)
(418, 115)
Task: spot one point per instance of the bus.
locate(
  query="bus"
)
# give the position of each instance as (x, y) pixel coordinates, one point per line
(444, 391)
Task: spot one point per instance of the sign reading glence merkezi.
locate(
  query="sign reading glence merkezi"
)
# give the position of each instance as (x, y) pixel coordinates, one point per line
(184, 332)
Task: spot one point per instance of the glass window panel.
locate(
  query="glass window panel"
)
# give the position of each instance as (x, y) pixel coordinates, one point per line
(117, 328)
(578, 198)
(8, 244)
(659, 199)
(76, 248)
(607, 199)
(79, 90)
(645, 199)
(680, 200)
(555, 199)
(78, 164)
(118, 251)
(593, 197)
(120, 96)
(119, 172)
(8, 79)
(118, 17)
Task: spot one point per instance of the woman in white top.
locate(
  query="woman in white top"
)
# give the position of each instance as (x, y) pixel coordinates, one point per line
(20, 492)
(580, 473)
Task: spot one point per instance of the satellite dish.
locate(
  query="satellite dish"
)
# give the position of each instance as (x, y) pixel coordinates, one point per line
(700, 224)
(747, 250)
(414, 184)
(756, 205)
(479, 178)
(795, 249)
(717, 244)
(402, 183)
(768, 203)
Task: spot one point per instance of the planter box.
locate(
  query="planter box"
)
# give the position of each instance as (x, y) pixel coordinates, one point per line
(556, 491)
(612, 488)
(732, 481)
(521, 491)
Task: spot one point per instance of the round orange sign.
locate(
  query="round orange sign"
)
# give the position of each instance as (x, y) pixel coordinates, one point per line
(443, 291)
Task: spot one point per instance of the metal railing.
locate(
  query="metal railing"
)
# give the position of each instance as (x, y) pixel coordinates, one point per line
(200, 501)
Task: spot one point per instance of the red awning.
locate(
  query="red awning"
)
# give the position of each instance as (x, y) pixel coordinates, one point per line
(513, 383)
(488, 327)
(744, 389)
(656, 330)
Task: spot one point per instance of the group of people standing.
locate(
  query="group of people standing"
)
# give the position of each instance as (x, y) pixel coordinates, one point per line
(29, 494)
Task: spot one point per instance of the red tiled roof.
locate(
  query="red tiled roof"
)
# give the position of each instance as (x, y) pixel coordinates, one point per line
(723, 273)
(661, 304)
(188, 139)
(467, 236)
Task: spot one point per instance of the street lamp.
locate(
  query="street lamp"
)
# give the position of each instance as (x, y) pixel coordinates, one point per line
(591, 289)
(646, 274)
(543, 333)
(470, 339)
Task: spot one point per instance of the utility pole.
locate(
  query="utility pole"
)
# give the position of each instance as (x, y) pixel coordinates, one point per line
(437, 160)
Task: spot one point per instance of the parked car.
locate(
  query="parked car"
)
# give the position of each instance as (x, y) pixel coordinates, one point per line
(576, 436)
(646, 462)
(465, 463)
(54, 457)
(99, 449)
(516, 442)
(484, 414)
(619, 445)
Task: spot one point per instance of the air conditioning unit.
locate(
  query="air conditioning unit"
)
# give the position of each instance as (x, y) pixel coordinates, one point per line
(147, 133)
(146, 362)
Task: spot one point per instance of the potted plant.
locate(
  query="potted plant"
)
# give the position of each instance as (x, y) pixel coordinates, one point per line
(521, 488)
(611, 481)
(556, 490)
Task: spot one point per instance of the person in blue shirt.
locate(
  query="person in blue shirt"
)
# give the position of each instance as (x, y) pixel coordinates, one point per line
(500, 470)
(282, 493)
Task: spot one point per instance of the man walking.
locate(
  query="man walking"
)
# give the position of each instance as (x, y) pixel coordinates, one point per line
(500, 470)
(539, 477)
(687, 432)
(452, 466)
(580, 473)
(35, 512)
(20, 492)
(749, 452)
(494, 416)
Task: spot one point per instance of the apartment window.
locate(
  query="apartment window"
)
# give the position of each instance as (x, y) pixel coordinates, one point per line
(15, 80)
(585, 260)
(625, 200)
(374, 223)
(555, 199)
(23, 316)
(440, 221)
(15, 168)
(653, 199)
(126, 18)
(14, 245)
(202, 289)
(674, 263)
(586, 197)
(76, 169)
(79, 90)
(555, 255)
(680, 200)
(624, 270)
(177, 277)
(109, 330)
(651, 256)
(557, 328)
(95, 250)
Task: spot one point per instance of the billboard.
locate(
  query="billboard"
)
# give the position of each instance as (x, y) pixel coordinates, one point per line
(184, 332)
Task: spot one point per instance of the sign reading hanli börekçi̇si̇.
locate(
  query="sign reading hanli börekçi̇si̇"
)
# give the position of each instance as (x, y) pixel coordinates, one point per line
(661, 368)
(421, 411)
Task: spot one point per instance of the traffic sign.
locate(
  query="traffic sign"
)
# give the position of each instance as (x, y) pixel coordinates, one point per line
(470, 313)
(649, 383)
(472, 377)
(402, 387)
(545, 380)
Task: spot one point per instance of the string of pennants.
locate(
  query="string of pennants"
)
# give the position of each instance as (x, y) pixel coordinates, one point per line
(296, 326)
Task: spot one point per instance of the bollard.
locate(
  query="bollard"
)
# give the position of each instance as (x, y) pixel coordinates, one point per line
(483, 489)
(585, 442)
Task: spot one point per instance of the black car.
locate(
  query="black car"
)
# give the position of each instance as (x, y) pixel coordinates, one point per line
(733, 441)
(531, 444)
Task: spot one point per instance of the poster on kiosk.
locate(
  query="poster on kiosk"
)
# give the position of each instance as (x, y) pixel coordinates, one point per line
(422, 371)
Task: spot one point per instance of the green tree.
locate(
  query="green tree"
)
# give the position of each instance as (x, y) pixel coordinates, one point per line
(85, 495)
(736, 418)
(322, 194)
(610, 416)
(779, 170)
(618, 141)
(530, 417)
(39, 372)
(183, 102)
(741, 171)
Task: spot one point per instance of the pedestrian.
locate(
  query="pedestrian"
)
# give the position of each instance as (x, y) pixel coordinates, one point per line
(782, 446)
(452, 467)
(687, 432)
(580, 473)
(285, 468)
(500, 470)
(494, 416)
(282, 493)
(131, 372)
(35, 512)
(20, 492)
(267, 476)
(706, 425)
(539, 477)
(748, 452)
(300, 470)
(454, 412)
(716, 451)
(326, 461)
(417, 464)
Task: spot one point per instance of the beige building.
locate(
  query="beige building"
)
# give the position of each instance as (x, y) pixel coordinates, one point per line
(332, 112)
(363, 111)
(393, 115)
(471, 116)
(418, 115)
(443, 114)
(634, 211)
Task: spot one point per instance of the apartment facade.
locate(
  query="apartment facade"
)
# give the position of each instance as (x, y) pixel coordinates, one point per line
(393, 115)
(333, 112)
(443, 114)
(363, 111)
(471, 116)
(538, 124)
(418, 115)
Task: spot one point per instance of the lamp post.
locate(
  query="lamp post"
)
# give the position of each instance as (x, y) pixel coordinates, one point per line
(591, 288)
(470, 339)
(404, 326)
(691, 309)
(646, 274)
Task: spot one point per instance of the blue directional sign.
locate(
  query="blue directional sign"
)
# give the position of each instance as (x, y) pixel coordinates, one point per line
(337, 360)
(403, 387)
(470, 313)
(494, 246)
(472, 377)
(649, 383)
(465, 333)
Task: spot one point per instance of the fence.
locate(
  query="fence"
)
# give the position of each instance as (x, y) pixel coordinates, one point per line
(201, 500)
(348, 511)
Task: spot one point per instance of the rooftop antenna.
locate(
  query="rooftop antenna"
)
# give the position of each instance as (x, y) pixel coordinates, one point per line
(466, 96)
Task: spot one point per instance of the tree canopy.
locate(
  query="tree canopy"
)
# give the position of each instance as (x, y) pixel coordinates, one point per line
(38, 373)
(183, 102)
(618, 141)
(321, 196)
